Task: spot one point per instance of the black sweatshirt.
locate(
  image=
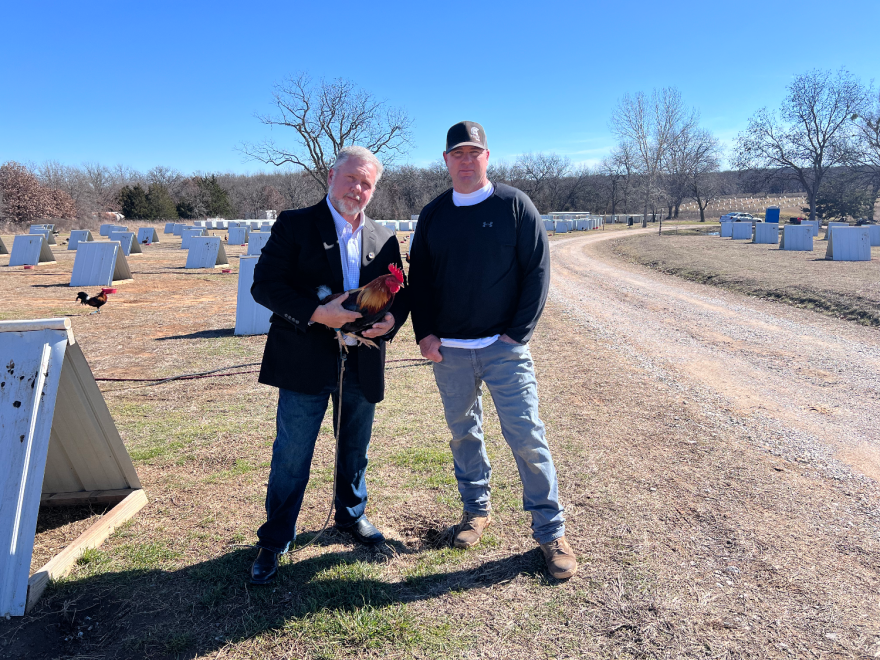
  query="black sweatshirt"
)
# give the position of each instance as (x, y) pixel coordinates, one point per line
(478, 271)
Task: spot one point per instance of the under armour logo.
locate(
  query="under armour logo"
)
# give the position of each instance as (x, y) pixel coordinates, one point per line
(487, 224)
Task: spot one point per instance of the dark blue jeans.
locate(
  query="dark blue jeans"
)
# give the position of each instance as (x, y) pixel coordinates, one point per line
(298, 422)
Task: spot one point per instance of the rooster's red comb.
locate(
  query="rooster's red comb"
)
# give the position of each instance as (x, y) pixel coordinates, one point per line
(398, 274)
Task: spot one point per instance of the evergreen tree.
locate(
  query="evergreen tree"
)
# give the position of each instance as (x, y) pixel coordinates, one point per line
(133, 202)
(214, 197)
(843, 195)
(160, 204)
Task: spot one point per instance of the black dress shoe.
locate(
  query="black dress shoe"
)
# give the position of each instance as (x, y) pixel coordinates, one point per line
(265, 567)
(364, 532)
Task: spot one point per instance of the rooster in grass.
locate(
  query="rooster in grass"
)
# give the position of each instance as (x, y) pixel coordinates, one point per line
(372, 301)
(92, 301)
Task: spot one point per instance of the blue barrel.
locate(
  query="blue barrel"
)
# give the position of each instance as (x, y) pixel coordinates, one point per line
(772, 214)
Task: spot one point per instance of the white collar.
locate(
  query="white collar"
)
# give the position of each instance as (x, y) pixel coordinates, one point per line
(341, 223)
(469, 199)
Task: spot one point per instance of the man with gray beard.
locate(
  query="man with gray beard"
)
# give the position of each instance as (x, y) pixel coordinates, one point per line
(332, 244)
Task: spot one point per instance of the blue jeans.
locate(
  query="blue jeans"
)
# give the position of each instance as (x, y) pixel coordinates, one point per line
(509, 373)
(298, 422)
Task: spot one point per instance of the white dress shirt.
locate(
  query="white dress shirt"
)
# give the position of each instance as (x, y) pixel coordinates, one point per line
(350, 251)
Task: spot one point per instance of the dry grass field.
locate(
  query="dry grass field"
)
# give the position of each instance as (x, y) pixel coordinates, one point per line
(806, 279)
(693, 541)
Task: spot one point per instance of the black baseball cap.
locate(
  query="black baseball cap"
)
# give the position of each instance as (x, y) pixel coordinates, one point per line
(466, 134)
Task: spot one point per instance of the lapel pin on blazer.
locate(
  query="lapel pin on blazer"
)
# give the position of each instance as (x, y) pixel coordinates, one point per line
(371, 255)
(329, 247)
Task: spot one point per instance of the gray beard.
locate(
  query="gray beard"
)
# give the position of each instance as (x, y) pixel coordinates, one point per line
(346, 206)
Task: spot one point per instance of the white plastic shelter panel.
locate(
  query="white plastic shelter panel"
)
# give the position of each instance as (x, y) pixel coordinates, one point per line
(30, 250)
(169, 228)
(741, 231)
(238, 235)
(404, 225)
(79, 236)
(849, 244)
(767, 233)
(831, 225)
(47, 233)
(203, 223)
(549, 226)
(178, 229)
(265, 227)
(797, 237)
(147, 236)
(874, 234)
(127, 241)
(188, 234)
(206, 252)
(3, 248)
(726, 229)
(31, 365)
(562, 226)
(106, 229)
(256, 241)
(99, 264)
(251, 318)
(812, 224)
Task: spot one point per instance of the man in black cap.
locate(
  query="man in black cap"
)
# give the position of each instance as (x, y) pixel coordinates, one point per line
(479, 276)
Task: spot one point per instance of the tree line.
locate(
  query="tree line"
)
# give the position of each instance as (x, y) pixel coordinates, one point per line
(823, 141)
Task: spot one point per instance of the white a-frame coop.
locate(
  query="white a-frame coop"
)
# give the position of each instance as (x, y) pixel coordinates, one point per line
(58, 446)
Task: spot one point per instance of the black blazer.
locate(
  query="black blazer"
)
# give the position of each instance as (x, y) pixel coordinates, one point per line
(301, 254)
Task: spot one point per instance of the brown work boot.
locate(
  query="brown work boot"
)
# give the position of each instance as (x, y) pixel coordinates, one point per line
(471, 528)
(560, 558)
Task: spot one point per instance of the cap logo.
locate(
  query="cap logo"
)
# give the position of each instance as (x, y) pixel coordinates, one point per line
(475, 133)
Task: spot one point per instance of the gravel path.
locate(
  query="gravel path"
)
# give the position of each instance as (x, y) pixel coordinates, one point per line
(808, 386)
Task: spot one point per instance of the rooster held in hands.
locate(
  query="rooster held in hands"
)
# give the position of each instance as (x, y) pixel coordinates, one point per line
(372, 301)
(92, 301)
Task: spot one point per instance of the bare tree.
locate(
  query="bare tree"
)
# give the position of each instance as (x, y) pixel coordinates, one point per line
(700, 159)
(868, 153)
(650, 125)
(621, 167)
(25, 199)
(812, 132)
(327, 116)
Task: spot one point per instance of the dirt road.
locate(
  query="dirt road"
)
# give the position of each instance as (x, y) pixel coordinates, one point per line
(811, 383)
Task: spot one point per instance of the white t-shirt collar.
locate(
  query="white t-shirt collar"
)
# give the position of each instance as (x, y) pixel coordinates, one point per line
(469, 199)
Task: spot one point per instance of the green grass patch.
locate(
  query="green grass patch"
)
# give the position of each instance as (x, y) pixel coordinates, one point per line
(238, 468)
(156, 556)
(152, 432)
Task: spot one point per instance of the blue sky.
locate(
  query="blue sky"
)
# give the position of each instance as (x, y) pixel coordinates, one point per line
(178, 84)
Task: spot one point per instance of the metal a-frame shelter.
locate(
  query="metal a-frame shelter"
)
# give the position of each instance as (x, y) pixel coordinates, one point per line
(50, 237)
(148, 235)
(128, 242)
(30, 250)
(100, 264)
(251, 318)
(79, 236)
(3, 248)
(58, 446)
(206, 252)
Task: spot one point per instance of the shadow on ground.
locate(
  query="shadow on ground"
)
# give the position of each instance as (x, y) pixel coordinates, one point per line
(199, 609)
(202, 334)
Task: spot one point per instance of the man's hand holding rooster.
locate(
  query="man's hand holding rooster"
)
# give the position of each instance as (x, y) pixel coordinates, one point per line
(380, 328)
